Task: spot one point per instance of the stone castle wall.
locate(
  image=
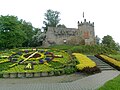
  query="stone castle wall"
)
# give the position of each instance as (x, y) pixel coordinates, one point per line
(83, 35)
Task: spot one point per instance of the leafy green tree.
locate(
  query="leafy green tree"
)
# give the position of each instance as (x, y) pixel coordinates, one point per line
(29, 31)
(109, 42)
(51, 19)
(11, 34)
(61, 26)
(38, 38)
(36, 30)
(118, 46)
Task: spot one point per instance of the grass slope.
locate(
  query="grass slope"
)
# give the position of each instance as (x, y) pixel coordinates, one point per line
(113, 84)
(117, 56)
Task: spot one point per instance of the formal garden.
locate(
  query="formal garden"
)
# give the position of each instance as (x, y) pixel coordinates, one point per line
(55, 61)
(22, 55)
(32, 62)
(35, 63)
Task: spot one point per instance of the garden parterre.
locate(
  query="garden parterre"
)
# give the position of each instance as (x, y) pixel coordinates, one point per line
(85, 64)
(84, 61)
(42, 61)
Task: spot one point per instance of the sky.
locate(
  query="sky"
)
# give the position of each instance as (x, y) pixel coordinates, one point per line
(104, 13)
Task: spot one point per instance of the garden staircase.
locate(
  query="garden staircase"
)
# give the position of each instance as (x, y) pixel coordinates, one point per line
(100, 64)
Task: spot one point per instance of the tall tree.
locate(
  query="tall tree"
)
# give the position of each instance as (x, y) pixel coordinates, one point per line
(51, 19)
(109, 42)
(38, 38)
(29, 31)
(11, 34)
(118, 46)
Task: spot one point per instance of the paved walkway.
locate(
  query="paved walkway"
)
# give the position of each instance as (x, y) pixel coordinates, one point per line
(88, 83)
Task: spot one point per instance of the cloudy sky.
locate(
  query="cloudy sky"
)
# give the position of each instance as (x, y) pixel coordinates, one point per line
(104, 13)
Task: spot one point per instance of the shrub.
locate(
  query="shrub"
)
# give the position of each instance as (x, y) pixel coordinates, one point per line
(56, 72)
(69, 70)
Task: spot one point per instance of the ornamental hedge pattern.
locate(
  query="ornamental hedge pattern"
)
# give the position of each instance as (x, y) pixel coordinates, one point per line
(36, 60)
(86, 64)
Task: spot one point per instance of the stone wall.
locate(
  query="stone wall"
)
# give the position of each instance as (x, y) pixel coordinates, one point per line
(83, 35)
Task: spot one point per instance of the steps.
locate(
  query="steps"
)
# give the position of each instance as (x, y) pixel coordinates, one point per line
(100, 64)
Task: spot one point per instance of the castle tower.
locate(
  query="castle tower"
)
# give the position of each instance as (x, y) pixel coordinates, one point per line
(86, 31)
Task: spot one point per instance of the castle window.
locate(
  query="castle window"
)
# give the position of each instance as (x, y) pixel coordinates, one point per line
(86, 35)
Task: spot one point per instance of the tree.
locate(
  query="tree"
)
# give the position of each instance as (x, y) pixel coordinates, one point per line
(11, 34)
(61, 26)
(38, 38)
(51, 19)
(97, 40)
(109, 42)
(29, 31)
(118, 46)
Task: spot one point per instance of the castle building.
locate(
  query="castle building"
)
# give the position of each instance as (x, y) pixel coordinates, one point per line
(83, 35)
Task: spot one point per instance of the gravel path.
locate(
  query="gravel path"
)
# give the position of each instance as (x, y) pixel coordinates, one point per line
(70, 82)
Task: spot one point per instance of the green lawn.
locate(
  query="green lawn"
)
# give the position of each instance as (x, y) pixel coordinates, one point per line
(113, 84)
(115, 56)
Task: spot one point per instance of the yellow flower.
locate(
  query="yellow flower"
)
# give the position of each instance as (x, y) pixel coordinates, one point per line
(84, 61)
(111, 60)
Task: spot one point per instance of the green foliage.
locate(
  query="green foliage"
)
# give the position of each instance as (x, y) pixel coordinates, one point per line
(69, 70)
(38, 38)
(62, 47)
(51, 19)
(118, 46)
(97, 40)
(56, 66)
(29, 32)
(15, 32)
(86, 49)
(93, 49)
(115, 56)
(11, 34)
(113, 84)
(109, 42)
(61, 26)
(56, 72)
(5, 66)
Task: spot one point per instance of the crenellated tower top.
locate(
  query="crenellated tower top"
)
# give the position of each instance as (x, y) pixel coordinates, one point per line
(85, 23)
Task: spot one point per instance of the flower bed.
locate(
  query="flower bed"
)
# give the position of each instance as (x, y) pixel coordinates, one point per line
(36, 63)
(3, 61)
(109, 60)
(85, 64)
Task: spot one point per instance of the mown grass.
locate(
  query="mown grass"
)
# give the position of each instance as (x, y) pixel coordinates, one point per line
(113, 84)
(116, 56)
(85, 49)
